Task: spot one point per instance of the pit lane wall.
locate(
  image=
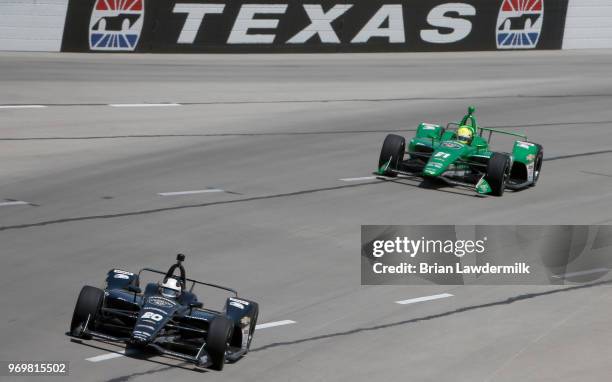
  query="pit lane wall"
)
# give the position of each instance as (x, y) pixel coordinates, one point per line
(259, 26)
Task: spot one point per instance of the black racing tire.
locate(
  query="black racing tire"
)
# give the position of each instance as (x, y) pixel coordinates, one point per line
(498, 172)
(393, 148)
(219, 334)
(86, 309)
(537, 164)
(254, 315)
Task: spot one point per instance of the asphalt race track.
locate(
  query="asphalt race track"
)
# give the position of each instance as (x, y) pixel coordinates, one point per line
(270, 137)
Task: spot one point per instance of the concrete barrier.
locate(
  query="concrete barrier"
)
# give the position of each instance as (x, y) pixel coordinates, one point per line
(589, 24)
(32, 25)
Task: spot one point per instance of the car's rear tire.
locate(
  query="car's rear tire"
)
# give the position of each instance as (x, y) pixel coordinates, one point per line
(537, 164)
(498, 172)
(219, 334)
(393, 149)
(86, 309)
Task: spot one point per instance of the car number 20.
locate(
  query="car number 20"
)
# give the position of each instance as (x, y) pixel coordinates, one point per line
(153, 316)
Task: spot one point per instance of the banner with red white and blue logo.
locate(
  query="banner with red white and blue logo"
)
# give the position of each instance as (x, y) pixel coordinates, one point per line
(259, 26)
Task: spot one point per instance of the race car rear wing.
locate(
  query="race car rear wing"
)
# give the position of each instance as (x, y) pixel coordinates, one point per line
(194, 282)
(491, 131)
(482, 130)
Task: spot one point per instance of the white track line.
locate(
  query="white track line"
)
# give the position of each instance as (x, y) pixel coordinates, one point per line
(13, 203)
(143, 104)
(273, 324)
(106, 356)
(22, 106)
(121, 353)
(358, 179)
(190, 192)
(581, 273)
(426, 298)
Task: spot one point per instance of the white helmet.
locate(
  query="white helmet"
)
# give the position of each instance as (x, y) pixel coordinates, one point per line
(171, 288)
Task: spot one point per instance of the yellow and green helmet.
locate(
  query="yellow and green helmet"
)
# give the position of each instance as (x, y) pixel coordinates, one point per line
(465, 134)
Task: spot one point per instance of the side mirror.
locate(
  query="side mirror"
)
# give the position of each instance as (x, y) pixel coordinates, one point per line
(196, 304)
(134, 289)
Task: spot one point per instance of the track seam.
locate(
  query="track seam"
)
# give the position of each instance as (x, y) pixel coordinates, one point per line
(289, 133)
(341, 100)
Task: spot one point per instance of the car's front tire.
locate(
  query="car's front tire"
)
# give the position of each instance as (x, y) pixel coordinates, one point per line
(498, 172)
(219, 334)
(86, 309)
(393, 149)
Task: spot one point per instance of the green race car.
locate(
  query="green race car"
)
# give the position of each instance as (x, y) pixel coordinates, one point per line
(460, 155)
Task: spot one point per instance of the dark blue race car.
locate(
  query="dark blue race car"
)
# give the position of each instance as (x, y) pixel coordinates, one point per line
(167, 317)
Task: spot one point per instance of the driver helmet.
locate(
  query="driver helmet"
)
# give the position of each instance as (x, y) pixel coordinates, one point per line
(465, 134)
(170, 288)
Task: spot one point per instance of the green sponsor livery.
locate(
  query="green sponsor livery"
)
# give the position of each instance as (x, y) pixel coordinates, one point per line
(482, 187)
(460, 155)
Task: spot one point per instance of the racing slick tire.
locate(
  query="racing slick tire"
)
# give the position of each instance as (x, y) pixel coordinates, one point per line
(498, 172)
(219, 334)
(393, 148)
(537, 165)
(86, 310)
